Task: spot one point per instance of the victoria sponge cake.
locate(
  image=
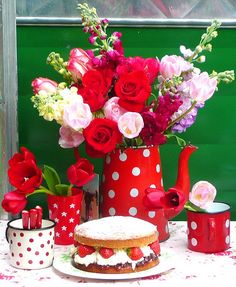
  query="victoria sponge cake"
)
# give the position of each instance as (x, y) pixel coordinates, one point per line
(116, 244)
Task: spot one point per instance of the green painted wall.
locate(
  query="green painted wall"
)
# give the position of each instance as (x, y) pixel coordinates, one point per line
(213, 132)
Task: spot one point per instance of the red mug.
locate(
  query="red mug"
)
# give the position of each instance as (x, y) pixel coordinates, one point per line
(209, 231)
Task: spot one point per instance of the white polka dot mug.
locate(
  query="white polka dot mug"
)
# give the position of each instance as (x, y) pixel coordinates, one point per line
(209, 232)
(30, 248)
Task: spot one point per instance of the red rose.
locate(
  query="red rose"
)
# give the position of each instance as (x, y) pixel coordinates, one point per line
(25, 176)
(25, 154)
(95, 86)
(101, 136)
(14, 202)
(81, 172)
(133, 89)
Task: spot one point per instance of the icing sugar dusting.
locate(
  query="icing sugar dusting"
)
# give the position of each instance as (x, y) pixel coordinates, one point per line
(115, 227)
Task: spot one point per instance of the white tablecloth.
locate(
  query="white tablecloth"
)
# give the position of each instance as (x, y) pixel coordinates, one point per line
(185, 267)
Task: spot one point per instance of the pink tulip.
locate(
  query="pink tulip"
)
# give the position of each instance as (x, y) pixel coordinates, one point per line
(78, 64)
(201, 87)
(113, 110)
(69, 138)
(130, 124)
(202, 194)
(77, 115)
(173, 66)
(44, 84)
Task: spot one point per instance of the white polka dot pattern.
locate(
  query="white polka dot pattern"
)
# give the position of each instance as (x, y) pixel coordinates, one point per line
(146, 153)
(227, 223)
(123, 157)
(194, 241)
(193, 225)
(134, 192)
(151, 214)
(158, 168)
(136, 171)
(227, 239)
(133, 211)
(115, 175)
(112, 211)
(111, 193)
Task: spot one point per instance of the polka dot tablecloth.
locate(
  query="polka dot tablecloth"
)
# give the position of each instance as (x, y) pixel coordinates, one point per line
(186, 267)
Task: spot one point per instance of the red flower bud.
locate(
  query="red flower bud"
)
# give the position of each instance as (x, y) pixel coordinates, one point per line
(14, 202)
(81, 172)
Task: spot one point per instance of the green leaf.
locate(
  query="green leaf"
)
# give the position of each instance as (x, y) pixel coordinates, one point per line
(181, 142)
(192, 207)
(51, 177)
(62, 189)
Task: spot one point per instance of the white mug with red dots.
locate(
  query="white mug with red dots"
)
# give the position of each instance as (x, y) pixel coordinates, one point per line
(31, 248)
(209, 231)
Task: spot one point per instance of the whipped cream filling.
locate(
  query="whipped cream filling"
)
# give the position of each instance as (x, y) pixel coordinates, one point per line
(119, 257)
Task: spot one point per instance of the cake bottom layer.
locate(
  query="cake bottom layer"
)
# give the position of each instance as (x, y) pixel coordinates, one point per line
(119, 268)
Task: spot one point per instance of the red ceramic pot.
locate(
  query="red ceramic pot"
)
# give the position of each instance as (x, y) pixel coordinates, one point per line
(65, 211)
(209, 232)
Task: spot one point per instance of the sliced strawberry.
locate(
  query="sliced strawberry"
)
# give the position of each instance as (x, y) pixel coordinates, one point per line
(84, 250)
(155, 246)
(135, 253)
(106, 252)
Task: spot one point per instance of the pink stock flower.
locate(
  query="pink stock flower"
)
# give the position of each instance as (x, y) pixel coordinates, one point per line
(130, 124)
(173, 66)
(202, 194)
(113, 110)
(78, 64)
(77, 115)
(202, 87)
(44, 84)
(69, 138)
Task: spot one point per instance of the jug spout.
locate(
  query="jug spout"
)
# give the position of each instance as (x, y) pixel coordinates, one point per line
(182, 185)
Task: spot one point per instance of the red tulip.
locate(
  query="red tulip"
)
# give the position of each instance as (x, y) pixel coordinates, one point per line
(81, 172)
(25, 154)
(14, 202)
(25, 176)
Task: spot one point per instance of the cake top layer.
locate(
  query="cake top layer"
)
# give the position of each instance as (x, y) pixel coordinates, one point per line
(115, 228)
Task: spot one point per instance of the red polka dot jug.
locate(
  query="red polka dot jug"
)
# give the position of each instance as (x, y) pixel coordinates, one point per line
(65, 211)
(30, 248)
(126, 175)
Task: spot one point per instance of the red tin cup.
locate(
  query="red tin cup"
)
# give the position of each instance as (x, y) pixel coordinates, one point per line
(209, 231)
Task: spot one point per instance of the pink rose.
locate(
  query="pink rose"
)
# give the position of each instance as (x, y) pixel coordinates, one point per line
(173, 66)
(69, 138)
(44, 84)
(77, 115)
(113, 110)
(78, 64)
(202, 194)
(130, 124)
(202, 87)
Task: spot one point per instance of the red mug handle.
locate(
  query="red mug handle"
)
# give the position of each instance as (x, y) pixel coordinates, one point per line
(211, 229)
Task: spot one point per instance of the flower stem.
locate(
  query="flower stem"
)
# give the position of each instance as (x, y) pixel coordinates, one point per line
(183, 115)
(76, 154)
(42, 189)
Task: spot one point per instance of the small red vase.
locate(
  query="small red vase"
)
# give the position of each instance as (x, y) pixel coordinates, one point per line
(65, 211)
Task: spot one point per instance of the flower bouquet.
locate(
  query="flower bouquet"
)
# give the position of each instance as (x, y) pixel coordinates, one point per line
(108, 100)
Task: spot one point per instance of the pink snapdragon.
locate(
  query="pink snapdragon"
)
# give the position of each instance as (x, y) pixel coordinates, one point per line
(69, 138)
(201, 87)
(113, 110)
(44, 84)
(79, 63)
(77, 115)
(130, 124)
(173, 66)
(202, 194)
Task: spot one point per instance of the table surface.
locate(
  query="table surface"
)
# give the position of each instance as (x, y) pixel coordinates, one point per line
(185, 267)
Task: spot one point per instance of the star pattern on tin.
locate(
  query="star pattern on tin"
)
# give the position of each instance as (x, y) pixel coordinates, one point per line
(71, 220)
(71, 234)
(63, 228)
(55, 205)
(64, 214)
(57, 234)
(56, 220)
(78, 211)
(72, 205)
